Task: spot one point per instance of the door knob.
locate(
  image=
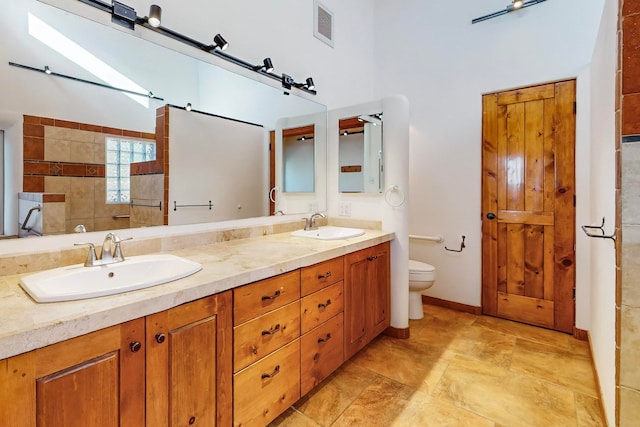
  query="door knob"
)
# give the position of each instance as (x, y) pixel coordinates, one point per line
(491, 215)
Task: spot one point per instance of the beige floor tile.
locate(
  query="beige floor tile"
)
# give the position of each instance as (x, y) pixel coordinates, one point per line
(486, 345)
(409, 362)
(325, 404)
(293, 418)
(505, 397)
(425, 412)
(531, 333)
(588, 411)
(557, 365)
(378, 405)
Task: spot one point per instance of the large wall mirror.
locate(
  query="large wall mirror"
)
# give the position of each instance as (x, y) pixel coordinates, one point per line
(90, 47)
(360, 154)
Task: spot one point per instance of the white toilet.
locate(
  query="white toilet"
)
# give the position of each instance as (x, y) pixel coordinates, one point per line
(421, 277)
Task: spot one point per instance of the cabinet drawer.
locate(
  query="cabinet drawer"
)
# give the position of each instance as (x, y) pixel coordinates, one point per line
(320, 353)
(261, 297)
(320, 306)
(316, 277)
(258, 337)
(267, 388)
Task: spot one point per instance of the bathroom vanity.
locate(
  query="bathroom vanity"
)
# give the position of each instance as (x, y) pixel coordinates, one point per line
(264, 322)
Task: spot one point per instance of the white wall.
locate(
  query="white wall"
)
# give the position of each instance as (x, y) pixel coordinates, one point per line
(602, 185)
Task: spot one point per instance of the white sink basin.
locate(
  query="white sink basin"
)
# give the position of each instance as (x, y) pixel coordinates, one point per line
(78, 282)
(329, 233)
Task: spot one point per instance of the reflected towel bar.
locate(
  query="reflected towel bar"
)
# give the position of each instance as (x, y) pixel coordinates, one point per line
(26, 221)
(176, 206)
(125, 216)
(159, 205)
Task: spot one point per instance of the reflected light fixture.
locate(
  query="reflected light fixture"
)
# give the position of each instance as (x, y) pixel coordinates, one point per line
(514, 6)
(188, 106)
(310, 84)
(47, 69)
(155, 14)
(267, 65)
(219, 42)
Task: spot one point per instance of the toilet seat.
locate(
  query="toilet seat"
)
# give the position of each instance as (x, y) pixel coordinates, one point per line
(421, 271)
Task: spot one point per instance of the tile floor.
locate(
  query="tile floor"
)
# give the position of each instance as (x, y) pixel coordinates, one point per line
(458, 369)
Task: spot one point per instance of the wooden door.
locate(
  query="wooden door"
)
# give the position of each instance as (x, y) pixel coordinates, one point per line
(93, 380)
(528, 205)
(189, 364)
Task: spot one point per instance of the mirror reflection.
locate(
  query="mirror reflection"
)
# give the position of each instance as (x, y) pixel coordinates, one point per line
(68, 125)
(360, 154)
(298, 160)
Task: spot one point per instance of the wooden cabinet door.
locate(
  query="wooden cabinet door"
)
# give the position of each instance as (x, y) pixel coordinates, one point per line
(356, 274)
(93, 380)
(189, 364)
(379, 295)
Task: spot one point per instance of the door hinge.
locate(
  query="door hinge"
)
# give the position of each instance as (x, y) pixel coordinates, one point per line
(574, 200)
(575, 107)
(574, 294)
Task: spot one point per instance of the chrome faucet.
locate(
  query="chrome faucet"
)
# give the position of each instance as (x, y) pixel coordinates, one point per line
(108, 255)
(310, 223)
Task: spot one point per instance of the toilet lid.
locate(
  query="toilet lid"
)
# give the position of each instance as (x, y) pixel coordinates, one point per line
(421, 271)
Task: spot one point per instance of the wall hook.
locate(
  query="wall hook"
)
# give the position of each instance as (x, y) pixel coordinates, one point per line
(600, 228)
(462, 246)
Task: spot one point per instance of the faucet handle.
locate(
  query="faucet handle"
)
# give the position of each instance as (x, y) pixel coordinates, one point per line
(91, 256)
(117, 250)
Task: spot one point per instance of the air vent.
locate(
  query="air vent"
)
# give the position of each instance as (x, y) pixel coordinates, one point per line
(323, 23)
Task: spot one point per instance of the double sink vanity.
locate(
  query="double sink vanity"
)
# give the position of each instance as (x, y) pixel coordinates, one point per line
(263, 322)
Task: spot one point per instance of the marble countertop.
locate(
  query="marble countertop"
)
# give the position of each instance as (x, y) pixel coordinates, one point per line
(26, 325)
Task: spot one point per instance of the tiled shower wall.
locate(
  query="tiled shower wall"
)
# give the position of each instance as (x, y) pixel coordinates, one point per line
(628, 190)
(68, 158)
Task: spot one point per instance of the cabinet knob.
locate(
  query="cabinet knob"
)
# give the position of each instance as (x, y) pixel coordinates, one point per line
(135, 346)
(160, 337)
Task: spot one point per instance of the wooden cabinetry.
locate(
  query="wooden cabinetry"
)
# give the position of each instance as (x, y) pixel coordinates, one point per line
(266, 379)
(366, 296)
(176, 364)
(188, 357)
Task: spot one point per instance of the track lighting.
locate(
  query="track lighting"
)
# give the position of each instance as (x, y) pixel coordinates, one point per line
(310, 84)
(188, 106)
(267, 65)
(219, 42)
(47, 69)
(514, 6)
(155, 14)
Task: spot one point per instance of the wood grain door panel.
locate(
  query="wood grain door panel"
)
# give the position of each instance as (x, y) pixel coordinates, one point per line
(528, 207)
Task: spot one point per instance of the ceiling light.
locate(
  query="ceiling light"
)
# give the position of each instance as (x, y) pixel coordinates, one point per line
(310, 84)
(188, 106)
(47, 69)
(219, 42)
(267, 65)
(155, 14)
(517, 4)
(514, 6)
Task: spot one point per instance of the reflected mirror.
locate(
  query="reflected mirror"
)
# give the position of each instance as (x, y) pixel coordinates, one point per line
(298, 160)
(155, 66)
(360, 154)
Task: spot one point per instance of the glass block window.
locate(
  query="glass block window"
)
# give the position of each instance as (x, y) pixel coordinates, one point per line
(120, 153)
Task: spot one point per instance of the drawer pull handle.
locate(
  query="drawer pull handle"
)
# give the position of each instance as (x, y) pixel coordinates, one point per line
(271, 297)
(272, 330)
(371, 258)
(275, 372)
(325, 339)
(324, 276)
(321, 305)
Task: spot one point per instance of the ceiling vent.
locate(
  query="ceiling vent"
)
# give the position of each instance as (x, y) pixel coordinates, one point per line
(323, 23)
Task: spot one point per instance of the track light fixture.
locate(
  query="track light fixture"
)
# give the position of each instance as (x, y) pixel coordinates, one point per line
(267, 66)
(126, 16)
(155, 15)
(47, 69)
(514, 6)
(188, 106)
(219, 42)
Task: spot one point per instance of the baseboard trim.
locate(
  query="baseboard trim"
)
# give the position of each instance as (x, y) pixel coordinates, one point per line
(581, 334)
(452, 305)
(587, 336)
(400, 333)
